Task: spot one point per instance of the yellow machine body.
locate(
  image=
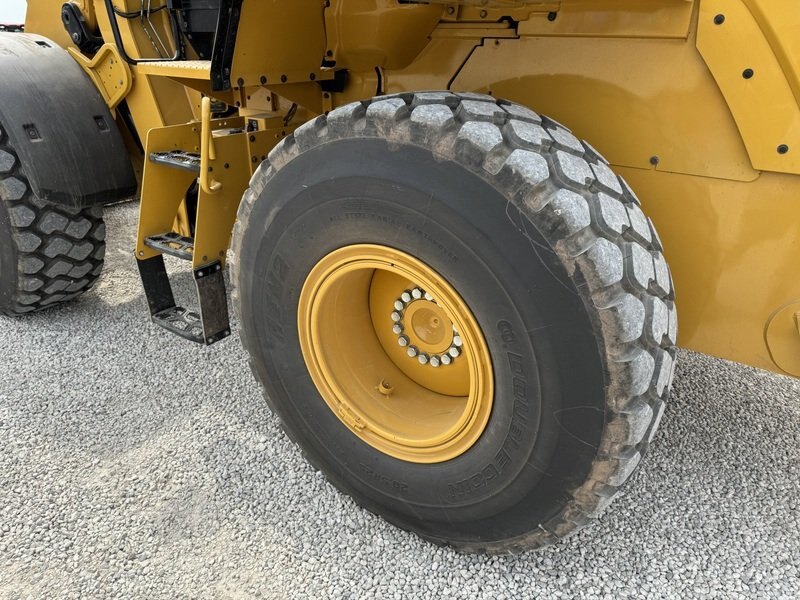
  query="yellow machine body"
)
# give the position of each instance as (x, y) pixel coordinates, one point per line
(695, 102)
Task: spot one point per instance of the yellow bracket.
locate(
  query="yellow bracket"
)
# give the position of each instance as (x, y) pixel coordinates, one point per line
(207, 154)
(110, 74)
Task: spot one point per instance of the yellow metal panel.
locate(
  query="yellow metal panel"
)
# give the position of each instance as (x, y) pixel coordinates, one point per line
(364, 34)
(763, 104)
(435, 66)
(779, 21)
(216, 213)
(278, 39)
(44, 17)
(607, 91)
(260, 143)
(733, 250)
(614, 18)
(488, 12)
(783, 338)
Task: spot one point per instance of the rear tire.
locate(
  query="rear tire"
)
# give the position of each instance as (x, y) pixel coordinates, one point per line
(551, 253)
(49, 253)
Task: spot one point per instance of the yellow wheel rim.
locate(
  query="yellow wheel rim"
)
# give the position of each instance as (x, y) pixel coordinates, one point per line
(395, 353)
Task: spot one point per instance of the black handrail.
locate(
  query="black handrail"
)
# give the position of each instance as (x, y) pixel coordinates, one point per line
(112, 17)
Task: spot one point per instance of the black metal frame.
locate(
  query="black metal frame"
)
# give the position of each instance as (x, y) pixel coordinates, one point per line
(222, 59)
(176, 36)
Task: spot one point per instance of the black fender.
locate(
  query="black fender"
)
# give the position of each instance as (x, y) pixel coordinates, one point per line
(61, 129)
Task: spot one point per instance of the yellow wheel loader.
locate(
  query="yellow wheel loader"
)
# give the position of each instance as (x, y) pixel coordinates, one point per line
(444, 276)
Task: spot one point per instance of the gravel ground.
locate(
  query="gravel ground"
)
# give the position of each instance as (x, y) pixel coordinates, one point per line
(137, 465)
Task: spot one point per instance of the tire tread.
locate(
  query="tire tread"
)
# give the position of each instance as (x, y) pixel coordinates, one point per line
(58, 250)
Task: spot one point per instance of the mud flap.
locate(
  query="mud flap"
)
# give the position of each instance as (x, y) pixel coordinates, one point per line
(67, 141)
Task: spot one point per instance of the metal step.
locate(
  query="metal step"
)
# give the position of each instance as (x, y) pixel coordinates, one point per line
(210, 325)
(178, 159)
(172, 243)
(178, 69)
(182, 322)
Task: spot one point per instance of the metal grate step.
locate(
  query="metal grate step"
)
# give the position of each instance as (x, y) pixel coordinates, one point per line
(178, 159)
(182, 322)
(172, 243)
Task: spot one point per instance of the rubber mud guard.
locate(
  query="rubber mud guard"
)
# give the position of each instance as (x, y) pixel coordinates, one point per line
(61, 128)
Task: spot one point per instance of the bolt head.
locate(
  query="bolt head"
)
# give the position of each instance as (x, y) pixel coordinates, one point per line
(454, 352)
(423, 359)
(412, 351)
(428, 297)
(446, 360)
(406, 297)
(399, 305)
(457, 341)
(403, 341)
(417, 293)
(435, 362)
(396, 316)
(397, 329)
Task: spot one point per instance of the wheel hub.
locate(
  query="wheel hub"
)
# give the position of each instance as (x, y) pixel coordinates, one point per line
(424, 329)
(395, 353)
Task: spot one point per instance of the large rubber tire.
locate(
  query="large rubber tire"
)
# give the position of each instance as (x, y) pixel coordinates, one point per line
(48, 253)
(553, 255)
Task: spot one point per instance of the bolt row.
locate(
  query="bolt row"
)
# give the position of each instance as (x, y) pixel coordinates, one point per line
(436, 360)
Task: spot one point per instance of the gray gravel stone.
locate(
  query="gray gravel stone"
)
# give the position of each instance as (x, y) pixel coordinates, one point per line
(136, 465)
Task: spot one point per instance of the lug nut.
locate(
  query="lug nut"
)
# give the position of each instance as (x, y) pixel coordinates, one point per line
(454, 352)
(428, 297)
(412, 351)
(398, 305)
(435, 362)
(397, 328)
(396, 316)
(416, 293)
(446, 360)
(423, 359)
(457, 341)
(406, 297)
(403, 341)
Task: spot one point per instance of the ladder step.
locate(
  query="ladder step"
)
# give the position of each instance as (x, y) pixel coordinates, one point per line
(173, 244)
(179, 69)
(182, 322)
(189, 161)
(208, 326)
